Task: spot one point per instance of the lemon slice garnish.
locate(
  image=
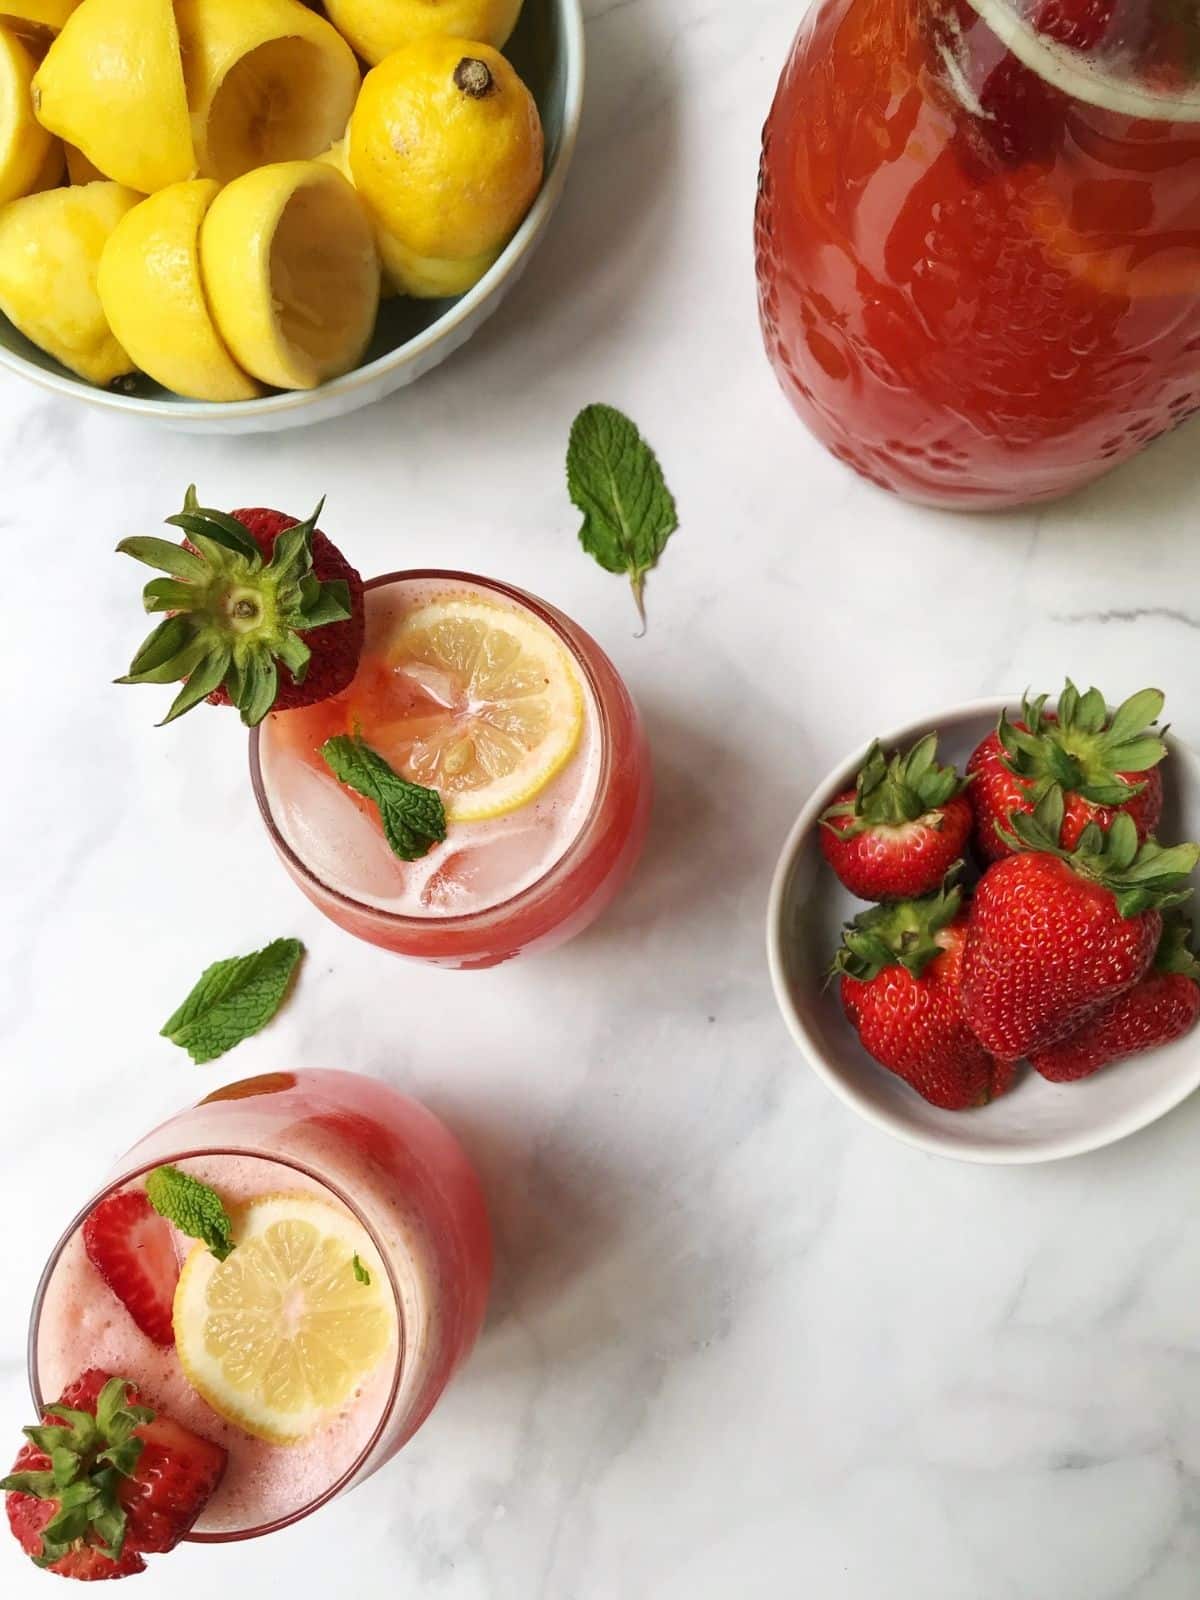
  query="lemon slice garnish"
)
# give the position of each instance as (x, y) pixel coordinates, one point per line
(283, 1331)
(497, 709)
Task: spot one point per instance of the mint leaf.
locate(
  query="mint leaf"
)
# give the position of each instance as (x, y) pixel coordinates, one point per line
(413, 818)
(192, 1206)
(614, 478)
(360, 1272)
(233, 999)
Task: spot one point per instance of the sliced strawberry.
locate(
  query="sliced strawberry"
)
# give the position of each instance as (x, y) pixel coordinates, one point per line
(131, 1248)
(1080, 24)
(177, 1472)
(138, 1481)
(1024, 118)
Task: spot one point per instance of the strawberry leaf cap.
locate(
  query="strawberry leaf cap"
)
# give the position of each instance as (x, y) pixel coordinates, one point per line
(1142, 877)
(903, 933)
(891, 793)
(89, 1455)
(1176, 949)
(231, 616)
(1081, 748)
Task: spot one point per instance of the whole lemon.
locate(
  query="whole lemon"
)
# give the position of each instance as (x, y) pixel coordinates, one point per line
(446, 150)
(377, 27)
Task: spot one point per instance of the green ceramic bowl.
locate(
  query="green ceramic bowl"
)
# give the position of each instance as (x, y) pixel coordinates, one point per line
(412, 336)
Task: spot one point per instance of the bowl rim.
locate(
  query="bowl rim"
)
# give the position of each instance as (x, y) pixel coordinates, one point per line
(953, 1146)
(460, 312)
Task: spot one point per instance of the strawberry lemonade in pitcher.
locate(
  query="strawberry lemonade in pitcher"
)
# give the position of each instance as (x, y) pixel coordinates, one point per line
(978, 238)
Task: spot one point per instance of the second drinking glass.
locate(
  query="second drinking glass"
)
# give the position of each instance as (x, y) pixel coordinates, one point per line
(520, 720)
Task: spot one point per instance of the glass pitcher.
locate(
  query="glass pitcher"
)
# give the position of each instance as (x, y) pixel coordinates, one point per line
(978, 238)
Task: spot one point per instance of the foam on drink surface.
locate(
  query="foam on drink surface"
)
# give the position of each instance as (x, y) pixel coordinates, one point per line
(83, 1325)
(480, 864)
(1107, 78)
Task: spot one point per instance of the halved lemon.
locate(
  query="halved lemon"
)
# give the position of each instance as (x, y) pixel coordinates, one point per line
(267, 80)
(291, 273)
(50, 249)
(153, 297)
(112, 85)
(284, 1330)
(25, 146)
(496, 709)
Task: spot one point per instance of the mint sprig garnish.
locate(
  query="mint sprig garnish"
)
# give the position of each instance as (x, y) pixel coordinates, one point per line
(89, 1455)
(614, 478)
(194, 1208)
(233, 999)
(413, 817)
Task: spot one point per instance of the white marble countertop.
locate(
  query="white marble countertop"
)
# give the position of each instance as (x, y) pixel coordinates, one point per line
(741, 1345)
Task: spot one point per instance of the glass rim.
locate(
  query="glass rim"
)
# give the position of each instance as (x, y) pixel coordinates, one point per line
(346, 1478)
(468, 921)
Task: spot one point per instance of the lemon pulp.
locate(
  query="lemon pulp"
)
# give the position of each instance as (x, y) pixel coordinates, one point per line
(291, 273)
(284, 1331)
(499, 710)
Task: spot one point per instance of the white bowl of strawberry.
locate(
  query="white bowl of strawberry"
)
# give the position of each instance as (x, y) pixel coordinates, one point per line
(979, 929)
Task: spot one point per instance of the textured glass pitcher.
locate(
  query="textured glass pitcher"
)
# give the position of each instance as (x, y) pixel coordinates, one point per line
(978, 238)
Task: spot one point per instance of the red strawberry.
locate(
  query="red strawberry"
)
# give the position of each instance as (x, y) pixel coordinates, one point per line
(897, 833)
(901, 967)
(1163, 1006)
(104, 1480)
(262, 612)
(1104, 765)
(1080, 24)
(176, 1474)
(1055, 935)
(131, 1248)
(1024, 118)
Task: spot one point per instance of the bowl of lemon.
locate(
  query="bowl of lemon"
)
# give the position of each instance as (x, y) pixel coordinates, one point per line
(246, 215)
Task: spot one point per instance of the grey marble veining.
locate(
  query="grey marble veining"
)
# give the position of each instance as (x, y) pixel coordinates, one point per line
(741, 1345)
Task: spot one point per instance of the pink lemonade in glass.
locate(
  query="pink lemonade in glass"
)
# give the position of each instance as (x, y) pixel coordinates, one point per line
(375, 1172)
(520, 721)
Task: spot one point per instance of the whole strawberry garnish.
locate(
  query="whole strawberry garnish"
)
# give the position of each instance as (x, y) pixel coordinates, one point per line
(1162, 1007)
(174, 1480)
(1103, 764)
(900, 968)
(1055, 935)
(132, 1249)
(897, 833)
(104, 1480)
(262, 612)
